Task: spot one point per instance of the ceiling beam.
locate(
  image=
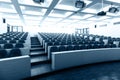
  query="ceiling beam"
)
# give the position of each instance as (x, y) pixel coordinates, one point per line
(51, 7)
(91, 4)
(17, 7)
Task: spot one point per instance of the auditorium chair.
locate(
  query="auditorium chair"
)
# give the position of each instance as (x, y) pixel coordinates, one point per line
(15, 52)
(62, 48)
(8, 46)
(19, 45)
(3, 41)
(12, 41)
(3, 53)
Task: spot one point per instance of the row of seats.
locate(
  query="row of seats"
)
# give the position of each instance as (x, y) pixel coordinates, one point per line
(13, 53)
(79, 47)
(84, 41)
(9, 46)
(11, 41)
(14, 36)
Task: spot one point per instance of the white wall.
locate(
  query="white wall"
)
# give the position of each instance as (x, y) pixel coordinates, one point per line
(3, 26)
(109, 30)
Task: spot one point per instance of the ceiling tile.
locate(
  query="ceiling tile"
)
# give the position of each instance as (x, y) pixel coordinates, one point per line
(30, 2)
(59, 13)
(32, 10)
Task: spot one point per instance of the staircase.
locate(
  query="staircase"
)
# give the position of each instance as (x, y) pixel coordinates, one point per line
(39, 61)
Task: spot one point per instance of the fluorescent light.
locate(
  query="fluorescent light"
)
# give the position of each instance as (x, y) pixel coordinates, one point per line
(117, 1)
(52, 19)
(5, 0)
(30, 2)
(90, 10)
(32, 17)
(66, 7)
(33, 13)
(7, 10)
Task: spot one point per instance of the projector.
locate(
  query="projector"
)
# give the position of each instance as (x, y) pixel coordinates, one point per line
(38, 1)
(102, 13)
(79, 4)
(113, 10)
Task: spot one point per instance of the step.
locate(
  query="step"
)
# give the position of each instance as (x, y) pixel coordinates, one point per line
(35, 60)
(40, 69)
(37, 53)
(38, 59)
(36, 46)
(37, 49)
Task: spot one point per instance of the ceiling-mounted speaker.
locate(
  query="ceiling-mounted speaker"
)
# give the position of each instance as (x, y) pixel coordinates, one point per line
(38, 1)
(113, 10)
(102, 13)
(80, 4)
(95, 26)
(4, 20)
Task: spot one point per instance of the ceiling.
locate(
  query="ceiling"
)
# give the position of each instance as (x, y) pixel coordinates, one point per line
(53, 12)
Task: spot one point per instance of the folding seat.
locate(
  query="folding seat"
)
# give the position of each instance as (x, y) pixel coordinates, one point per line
(1, 38)
(113, 45)
(19, 45)
(107, 46)
(69, 47)
(21, 41)
(76, 47)
(15, 52)
(3, 53)
(54, 49)
(12, 41)
(56, 43)
(62, 48)
(3, 41)
(8, 46)
(15, 38)
(7, 38)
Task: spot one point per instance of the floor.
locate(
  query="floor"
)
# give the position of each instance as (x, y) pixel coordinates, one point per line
(102, 71)
(41, 68)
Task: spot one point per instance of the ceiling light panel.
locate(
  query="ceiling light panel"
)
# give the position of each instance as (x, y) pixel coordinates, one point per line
(30, 2)
(28, 17)
(96, 8)
(69, 5)
(14, 22)
(5, 1)
(10, 16)
(52, 19)
(33, 10)
(4, 7)
(80, 16)
(117, 1)
(59, 13)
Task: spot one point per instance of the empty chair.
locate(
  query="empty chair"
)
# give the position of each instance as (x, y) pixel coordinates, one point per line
(15, 52)
(70, 47)
(12, 41)
(54, 49)
(113, 45)
(76, 47)
(21, 41)
(3, 53)
(8, 46)
(3, 41)
(62, 48)
(56, 43)
(19, 45)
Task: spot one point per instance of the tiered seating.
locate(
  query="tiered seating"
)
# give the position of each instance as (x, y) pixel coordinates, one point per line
(11, 42)
(66, 42)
